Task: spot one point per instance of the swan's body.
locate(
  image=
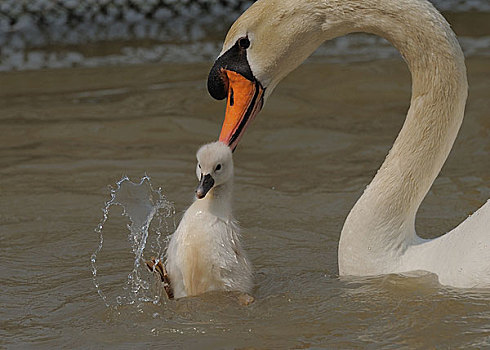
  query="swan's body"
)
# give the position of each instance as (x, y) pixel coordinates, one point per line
(274, 36)
(205, 253)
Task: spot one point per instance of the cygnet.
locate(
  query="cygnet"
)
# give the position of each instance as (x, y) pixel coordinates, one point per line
(205, 253)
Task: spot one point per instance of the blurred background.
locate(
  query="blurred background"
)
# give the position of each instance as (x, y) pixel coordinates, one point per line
(38, 34)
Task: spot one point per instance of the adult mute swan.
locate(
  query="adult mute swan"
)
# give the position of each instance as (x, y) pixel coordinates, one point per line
(273, 37)
(205, 253)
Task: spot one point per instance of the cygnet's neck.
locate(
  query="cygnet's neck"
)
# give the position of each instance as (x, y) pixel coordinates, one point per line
(218, 201)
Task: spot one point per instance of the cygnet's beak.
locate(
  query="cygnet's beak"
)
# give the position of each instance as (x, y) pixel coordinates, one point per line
(205, 184)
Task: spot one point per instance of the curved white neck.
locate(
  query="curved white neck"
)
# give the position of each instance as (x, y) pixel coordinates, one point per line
(383, 219)
(283, 33)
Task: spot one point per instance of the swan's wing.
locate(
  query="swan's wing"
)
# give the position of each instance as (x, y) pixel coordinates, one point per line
(461, 258)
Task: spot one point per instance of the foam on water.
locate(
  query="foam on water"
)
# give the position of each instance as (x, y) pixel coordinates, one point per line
(143, 205)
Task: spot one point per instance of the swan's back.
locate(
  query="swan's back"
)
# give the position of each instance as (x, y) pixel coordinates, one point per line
(460, 258)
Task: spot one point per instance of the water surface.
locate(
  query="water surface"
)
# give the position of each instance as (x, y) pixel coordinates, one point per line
(67, 134)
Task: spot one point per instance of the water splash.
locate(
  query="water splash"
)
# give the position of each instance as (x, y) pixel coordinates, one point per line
(142, 205)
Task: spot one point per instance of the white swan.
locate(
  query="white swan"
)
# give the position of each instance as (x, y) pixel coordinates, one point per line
(274, 36)
(205, 253)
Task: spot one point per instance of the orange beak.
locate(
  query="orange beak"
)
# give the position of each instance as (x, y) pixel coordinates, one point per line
(245, 100)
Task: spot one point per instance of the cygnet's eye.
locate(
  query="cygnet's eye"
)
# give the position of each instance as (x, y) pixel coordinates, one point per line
(218, 167)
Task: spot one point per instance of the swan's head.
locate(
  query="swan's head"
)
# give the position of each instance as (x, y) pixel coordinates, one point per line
(214, 167)
(266, 43)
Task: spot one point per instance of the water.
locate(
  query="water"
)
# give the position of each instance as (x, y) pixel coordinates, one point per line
(141, 204)
(65, 134)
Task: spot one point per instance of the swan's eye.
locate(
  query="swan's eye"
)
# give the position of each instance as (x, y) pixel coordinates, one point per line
(218, 167)
(244, 43)
(199, 165)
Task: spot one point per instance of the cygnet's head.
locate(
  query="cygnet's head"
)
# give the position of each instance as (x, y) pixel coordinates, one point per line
(214, 167)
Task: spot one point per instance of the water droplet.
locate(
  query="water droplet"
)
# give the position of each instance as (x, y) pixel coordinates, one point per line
(141, 204)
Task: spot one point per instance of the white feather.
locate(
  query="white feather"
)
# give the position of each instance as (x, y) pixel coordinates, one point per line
(205, 253)
(379, 235)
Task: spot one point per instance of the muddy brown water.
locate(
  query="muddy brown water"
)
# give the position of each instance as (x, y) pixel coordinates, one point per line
(68, 134)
